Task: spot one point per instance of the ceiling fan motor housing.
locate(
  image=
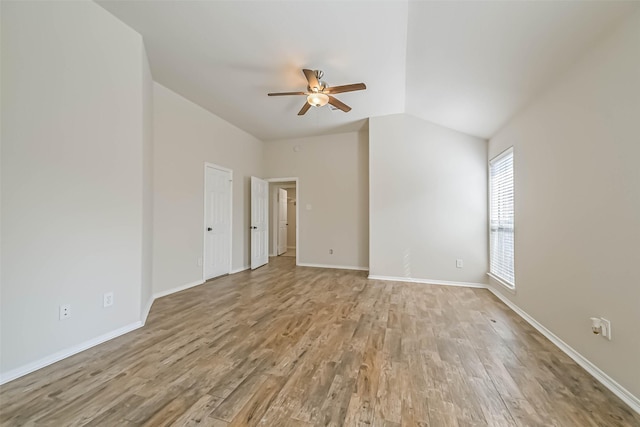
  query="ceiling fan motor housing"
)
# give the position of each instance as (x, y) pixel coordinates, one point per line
(323, 84)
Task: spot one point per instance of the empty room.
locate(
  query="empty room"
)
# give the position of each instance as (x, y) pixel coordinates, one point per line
(319, 213)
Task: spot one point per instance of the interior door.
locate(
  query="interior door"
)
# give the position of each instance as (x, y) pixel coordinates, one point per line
(282, 221)
(259, 222)
(217, 234)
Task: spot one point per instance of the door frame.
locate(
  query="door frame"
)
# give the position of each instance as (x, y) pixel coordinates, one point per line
(204, 217)
(280, 203)
(297, 181)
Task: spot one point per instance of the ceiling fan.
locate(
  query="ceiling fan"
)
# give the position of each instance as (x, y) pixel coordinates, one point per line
(319, 92)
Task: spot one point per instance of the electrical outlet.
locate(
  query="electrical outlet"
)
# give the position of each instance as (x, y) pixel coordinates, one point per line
(459, 263)
(330, 251)
(107, 299)
(601, 326)
(606, 328)
(65, 311)
(199, 262)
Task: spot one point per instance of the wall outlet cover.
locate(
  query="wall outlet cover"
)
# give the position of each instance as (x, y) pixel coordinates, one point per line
(606, 328)
(107, 299)
(65, 311)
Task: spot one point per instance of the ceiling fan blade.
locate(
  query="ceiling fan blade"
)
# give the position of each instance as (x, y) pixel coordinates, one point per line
(286, 93)
(339, 104)
(345, 88)
(304, 109)
(311, 78)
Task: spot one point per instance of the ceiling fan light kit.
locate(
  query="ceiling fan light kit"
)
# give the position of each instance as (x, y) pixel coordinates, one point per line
(318, 99)
(319, 93)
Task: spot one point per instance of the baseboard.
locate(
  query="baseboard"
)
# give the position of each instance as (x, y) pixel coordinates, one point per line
(341, 267)
(146, 310)
(291, 248)
(625, 395)
(63, 354)
(429, 281)
(177, 289)
(238, 270)
(189, 285)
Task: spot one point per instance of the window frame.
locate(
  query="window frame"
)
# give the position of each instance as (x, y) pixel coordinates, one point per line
(503, 281)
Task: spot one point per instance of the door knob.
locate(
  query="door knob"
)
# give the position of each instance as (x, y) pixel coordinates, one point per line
(209, 228)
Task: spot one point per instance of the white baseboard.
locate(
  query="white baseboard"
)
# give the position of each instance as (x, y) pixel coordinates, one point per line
(341, 267)
(238, 270)
(187, 286)
(63, 354)
(177, 289)
(624, 394)
(291, 248)
(429, 281)
(146, 310)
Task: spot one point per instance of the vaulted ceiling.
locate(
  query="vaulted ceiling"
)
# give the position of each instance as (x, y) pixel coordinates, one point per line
(466, 65)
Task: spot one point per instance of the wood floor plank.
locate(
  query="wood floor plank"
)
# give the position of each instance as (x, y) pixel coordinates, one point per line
(301, 347)
(258, 403)
(197, 414)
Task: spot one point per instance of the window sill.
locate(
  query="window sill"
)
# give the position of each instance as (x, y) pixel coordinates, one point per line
(507, 286)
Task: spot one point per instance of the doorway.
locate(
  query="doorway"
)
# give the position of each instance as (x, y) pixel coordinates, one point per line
(218, 195)
(284, 225)
(281, 245)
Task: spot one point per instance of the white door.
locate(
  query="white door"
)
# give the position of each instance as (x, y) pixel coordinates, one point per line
(217, 222)
(282, 221)
(259, 222)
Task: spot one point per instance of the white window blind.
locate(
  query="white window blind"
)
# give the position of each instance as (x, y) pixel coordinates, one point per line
(501, 256)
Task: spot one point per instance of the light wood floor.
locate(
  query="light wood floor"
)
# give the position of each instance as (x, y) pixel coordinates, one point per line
(290, 252)
(287, 346)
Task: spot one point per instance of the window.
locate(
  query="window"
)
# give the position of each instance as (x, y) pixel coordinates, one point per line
(501, 218)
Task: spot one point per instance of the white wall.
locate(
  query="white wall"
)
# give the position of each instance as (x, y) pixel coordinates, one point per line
(185, 137)
(577, 192)
(333, 180)
(147, 186)
(428, 189)
(72, 148)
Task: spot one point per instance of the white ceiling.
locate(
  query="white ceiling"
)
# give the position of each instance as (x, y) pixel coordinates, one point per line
(465, 65)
